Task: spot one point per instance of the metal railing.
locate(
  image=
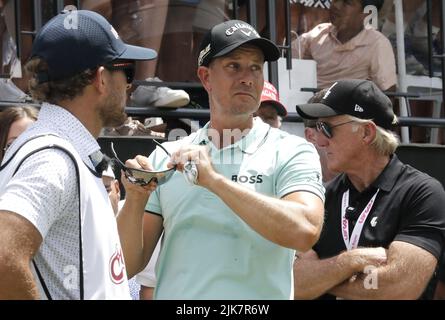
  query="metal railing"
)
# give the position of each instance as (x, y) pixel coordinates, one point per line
(204, 114)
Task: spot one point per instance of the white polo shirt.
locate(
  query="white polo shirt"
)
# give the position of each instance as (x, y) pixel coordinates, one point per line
(208, 252)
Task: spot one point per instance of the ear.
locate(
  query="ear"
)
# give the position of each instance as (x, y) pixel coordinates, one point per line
(204, 75)
(100, 80)
(369, 132)
(116, 186)
(309, 134)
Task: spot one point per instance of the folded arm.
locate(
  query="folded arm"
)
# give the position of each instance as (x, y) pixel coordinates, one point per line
(314, 277)
(405, 276)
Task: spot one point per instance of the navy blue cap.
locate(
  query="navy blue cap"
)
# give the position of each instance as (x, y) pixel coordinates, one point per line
(74, 41)
(229, 35)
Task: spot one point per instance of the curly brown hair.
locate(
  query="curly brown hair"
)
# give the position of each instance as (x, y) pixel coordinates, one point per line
(56, 90)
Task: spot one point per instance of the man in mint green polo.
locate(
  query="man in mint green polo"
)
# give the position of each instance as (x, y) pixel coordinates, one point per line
(258, 197)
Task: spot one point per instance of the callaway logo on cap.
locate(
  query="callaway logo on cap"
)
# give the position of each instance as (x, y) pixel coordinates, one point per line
(229, 35)
(359, 98)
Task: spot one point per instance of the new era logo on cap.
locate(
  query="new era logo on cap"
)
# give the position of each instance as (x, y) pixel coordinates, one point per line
(114, 32)
(228, 36)
(358, 108)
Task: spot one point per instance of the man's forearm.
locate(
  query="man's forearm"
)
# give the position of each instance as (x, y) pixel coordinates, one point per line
(382, 283)
(287, 223)
(315, 277)
(130, 222)
(19, 284)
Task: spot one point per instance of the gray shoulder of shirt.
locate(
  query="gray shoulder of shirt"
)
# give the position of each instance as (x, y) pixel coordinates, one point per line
(55, 159)
(281, 136)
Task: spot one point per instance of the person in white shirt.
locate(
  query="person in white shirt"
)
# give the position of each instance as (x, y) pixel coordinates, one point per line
(58, 227)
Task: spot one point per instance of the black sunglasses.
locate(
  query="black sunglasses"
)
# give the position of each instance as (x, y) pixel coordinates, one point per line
(326, 128)
(127, 67)
(144, 177)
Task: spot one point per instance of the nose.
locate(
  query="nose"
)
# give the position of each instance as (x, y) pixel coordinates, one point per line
(247, 77)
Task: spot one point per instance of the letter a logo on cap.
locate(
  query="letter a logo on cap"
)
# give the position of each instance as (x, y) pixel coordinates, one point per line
(114, 32)
(358, 108)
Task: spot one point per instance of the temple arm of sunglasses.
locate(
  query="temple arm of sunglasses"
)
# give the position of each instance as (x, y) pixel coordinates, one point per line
(162, 147)
(116, 157)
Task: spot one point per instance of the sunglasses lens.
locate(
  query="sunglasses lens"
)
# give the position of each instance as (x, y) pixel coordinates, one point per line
(126, 67)
(324, 128)
(129, 72)
(327, 130)
(145, 177)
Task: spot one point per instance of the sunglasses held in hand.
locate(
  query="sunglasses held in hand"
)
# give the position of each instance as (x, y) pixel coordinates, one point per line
(144, 177)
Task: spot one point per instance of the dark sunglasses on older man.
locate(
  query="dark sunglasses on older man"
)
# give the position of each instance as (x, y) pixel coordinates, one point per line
(326, 128)
(127, 67)
(144, 177)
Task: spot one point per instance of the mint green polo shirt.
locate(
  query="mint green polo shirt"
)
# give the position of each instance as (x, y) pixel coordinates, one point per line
(208, 252)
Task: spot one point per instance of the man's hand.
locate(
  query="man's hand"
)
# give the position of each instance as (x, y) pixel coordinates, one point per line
(368, 257)
(200, 156)
(135, 191)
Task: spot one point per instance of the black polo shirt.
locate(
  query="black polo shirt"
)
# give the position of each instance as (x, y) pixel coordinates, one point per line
(409, 207)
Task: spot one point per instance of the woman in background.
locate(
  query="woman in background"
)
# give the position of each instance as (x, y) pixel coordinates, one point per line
(13, 121)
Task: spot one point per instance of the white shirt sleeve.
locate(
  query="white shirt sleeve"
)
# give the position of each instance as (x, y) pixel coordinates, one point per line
(147, 277)
(42, 188)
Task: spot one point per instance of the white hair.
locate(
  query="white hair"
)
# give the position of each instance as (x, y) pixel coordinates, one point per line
(385, 141)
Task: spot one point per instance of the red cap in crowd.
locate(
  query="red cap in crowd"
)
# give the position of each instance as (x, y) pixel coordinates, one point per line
(270, 94)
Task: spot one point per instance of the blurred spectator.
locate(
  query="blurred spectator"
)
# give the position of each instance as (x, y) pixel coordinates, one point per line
(112, 186)
(9, 62)
(345, 48)
(187, 23)
(138, 22)
(13, 121)
(310, 132)
(311, 13)
(147, 277)
(271, 110)
(416, 34)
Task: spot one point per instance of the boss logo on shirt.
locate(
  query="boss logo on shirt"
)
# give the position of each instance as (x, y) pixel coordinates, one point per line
(248, 179)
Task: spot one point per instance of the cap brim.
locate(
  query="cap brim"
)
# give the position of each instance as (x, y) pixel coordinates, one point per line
(270, 50)
(137, 53)
(315, 111)
(281, 110)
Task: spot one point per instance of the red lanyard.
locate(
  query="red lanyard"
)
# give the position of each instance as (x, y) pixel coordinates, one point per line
(352, 243)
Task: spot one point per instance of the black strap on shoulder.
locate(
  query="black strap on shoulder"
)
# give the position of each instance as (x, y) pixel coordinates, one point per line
(18, 149)
(42, 282)
(81, 279)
